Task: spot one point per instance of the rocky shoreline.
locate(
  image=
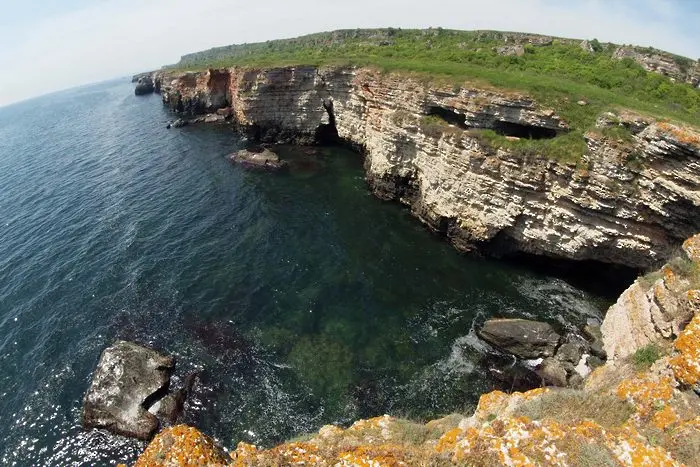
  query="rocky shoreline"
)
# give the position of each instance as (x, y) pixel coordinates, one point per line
(628, 202)
(633, 410)
(625, 202)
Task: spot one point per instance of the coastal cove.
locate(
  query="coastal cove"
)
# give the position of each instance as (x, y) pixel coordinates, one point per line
(114, 227)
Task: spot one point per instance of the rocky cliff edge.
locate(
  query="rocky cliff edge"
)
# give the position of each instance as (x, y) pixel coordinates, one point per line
(463, 157)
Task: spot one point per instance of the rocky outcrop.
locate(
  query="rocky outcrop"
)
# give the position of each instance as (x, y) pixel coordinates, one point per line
(625, 415)
(677, 68)
(521, 337)
(129, 391)
(656, 307)
(259, 158)
(144, 86)
(629, 202)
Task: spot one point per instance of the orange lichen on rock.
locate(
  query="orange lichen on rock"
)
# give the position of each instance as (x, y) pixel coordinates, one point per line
(684, 135)
(692, 248)
(645, 392)
(179, 446)
(686, 365)
(664, 418)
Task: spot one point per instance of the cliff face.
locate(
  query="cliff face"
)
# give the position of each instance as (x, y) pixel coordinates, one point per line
(624, 202)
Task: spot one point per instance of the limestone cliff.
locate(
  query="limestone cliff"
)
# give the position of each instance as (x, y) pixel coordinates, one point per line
(628, 202)
(632, 412)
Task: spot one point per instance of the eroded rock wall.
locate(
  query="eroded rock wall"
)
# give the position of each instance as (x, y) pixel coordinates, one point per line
(627, 203)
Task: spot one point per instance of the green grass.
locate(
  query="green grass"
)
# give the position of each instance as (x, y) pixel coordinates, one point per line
(644, 357)
(557, 75)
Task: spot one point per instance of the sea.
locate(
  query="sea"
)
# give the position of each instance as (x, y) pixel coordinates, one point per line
(299, 298)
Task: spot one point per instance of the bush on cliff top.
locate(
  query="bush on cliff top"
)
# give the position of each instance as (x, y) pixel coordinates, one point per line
(557, 72)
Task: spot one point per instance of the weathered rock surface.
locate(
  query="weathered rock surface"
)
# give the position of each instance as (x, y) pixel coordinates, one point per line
(127, 380)
(677, 68)
(628, 204)
(521, 337)
(655, 307)
(260, 158)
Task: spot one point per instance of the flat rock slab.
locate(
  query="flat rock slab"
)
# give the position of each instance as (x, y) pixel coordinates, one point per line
(521, 337)
(128, 379)
(261, 158)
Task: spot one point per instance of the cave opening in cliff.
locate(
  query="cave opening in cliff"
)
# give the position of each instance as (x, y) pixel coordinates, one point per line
(451, 117)
(519, 130)
(327, 133)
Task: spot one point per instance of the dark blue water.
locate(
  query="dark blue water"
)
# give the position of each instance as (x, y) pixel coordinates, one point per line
(303, 299)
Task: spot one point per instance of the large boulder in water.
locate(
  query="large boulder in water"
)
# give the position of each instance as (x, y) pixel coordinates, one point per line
(128, 379)
(144, 86)
(521, 337)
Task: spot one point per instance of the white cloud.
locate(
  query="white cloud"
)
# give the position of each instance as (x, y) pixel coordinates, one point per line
(119, 37)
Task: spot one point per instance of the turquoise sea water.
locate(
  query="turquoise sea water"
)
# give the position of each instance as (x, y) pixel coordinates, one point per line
(301, 298)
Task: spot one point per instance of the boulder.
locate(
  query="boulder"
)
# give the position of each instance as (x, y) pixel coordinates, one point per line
(128, 379)
(144, 86)
(169, 408)
(521, 337)
(179, 123)
(569, 352)
(261, 158)
(553, 373)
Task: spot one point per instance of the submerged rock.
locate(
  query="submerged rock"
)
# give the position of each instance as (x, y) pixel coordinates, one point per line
(179, 123)
(127, 380)
(521, 337)
(257, 158)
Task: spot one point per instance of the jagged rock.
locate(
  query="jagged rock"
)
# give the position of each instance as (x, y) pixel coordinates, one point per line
(182, 446)
(262, 158)
(592, 332)
(179, 123)
(552, 372)
(521, 337)
(587, 47)
(169, 408)
(517, 50)
(128, 378)
(594, 362)
(569, 352)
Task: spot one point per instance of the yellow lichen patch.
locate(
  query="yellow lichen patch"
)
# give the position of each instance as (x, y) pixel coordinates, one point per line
(692, 247)
(296, 454)
(645, 392)
(375, 456)
(630, 450)
(664, 418)
(686, 365)
(181, 446)
(491, 402)
(448, 441)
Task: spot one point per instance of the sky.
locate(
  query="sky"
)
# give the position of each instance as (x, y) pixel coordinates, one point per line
(49, 45)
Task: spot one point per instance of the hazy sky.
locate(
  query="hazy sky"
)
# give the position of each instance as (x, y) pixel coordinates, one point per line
(47, 45)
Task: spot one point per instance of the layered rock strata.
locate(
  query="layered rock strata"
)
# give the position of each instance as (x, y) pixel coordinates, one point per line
(628, 203)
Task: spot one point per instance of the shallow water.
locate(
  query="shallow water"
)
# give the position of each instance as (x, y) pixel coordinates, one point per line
(303, 299)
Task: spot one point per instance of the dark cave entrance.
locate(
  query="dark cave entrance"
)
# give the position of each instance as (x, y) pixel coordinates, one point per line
(523, 131)
(327, 133)
(453, 118)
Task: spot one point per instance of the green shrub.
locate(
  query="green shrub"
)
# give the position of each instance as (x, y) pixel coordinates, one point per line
(644, 357)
